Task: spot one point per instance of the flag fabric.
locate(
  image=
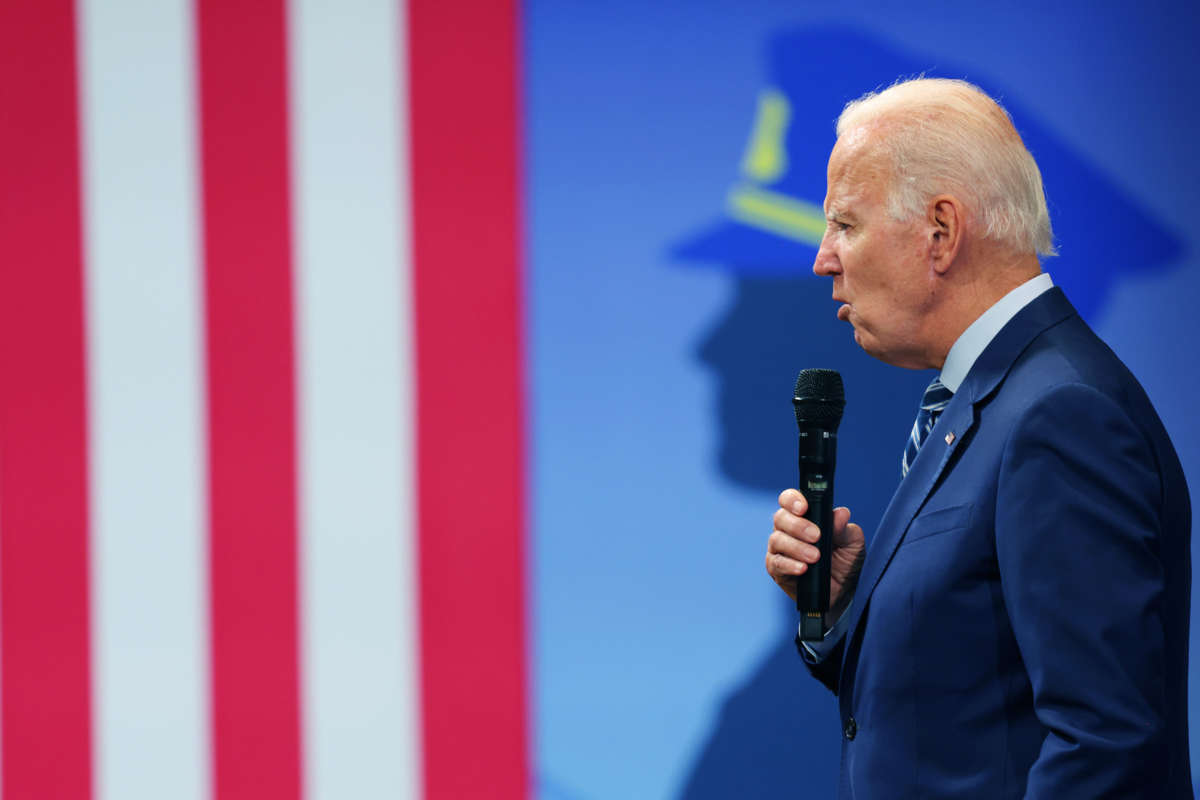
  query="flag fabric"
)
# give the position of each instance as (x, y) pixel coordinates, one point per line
(261, 417)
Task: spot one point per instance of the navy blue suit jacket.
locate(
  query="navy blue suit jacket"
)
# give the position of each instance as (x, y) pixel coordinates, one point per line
(1020, 628)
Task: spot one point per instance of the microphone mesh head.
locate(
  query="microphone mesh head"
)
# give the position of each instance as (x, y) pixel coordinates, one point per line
(819, 399)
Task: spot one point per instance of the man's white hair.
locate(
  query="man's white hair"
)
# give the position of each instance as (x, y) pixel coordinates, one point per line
(948, 136)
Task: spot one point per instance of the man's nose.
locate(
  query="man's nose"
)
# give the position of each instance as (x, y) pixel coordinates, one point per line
(826, 263)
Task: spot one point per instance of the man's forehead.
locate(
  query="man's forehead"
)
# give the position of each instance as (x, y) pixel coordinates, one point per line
(857, 137)
(855, 165)
(857, 150)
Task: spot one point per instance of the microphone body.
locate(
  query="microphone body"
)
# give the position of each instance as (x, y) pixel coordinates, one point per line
(819, 400)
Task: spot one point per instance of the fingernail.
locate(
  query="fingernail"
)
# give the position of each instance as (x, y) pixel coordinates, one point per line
(812, 531)
(797, 507)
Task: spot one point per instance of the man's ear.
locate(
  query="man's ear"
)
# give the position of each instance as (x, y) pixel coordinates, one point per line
(945, 218)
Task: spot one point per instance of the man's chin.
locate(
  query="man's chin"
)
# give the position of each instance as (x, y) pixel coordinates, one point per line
(870, 346)
(896, 357)
(863, 341)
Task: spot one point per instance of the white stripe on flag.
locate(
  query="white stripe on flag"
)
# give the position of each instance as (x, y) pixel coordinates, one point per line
(359, 632)
(149, 601)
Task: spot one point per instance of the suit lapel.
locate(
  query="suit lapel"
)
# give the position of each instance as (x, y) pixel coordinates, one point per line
(958, 418)
(947, 437)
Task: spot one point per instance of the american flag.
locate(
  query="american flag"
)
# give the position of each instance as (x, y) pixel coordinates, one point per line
(261, 414)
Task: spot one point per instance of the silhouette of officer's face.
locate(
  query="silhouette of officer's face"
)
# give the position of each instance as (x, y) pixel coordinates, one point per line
(756, 349)
(774, 327)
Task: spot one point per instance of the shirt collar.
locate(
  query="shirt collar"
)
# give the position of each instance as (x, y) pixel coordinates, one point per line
(979, 334)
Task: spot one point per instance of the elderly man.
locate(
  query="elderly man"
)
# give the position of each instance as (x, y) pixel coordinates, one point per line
(1018, 626)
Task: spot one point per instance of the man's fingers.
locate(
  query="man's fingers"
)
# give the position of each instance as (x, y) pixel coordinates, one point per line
(780, 566)
(841, 516)
(845, 532)
(782, 544)
(795, 525)
(791, 546)
(791, 500)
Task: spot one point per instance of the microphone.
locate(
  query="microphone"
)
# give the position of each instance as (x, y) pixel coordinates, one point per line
(819, 399)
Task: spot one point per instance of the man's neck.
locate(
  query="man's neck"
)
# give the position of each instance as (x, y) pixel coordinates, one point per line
(980, 333)
(983, 285)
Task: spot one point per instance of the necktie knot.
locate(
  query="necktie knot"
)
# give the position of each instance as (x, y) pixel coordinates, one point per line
(933, 402)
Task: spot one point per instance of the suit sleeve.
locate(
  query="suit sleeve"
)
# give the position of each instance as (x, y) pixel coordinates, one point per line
(824, 660)
(827, 668)
(1078, 546)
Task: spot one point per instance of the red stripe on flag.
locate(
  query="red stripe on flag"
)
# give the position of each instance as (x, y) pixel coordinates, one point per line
(43, 432)
(251, 408)
(470, 454)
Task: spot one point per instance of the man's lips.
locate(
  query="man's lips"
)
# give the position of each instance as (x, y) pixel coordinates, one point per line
(843, 312)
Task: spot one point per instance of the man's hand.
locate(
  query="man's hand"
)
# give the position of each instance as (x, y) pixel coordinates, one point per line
(793, 546)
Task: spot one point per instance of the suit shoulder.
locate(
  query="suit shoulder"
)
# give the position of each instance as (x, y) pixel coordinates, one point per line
(1069, 356)
(1067, 380)
(1071, 352)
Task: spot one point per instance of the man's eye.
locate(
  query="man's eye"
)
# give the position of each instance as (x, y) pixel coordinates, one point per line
(841, 226)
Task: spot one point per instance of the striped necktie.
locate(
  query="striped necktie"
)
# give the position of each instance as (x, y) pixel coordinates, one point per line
(933, 402)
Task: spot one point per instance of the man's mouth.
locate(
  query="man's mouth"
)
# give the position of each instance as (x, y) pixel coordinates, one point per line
(843, 312)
